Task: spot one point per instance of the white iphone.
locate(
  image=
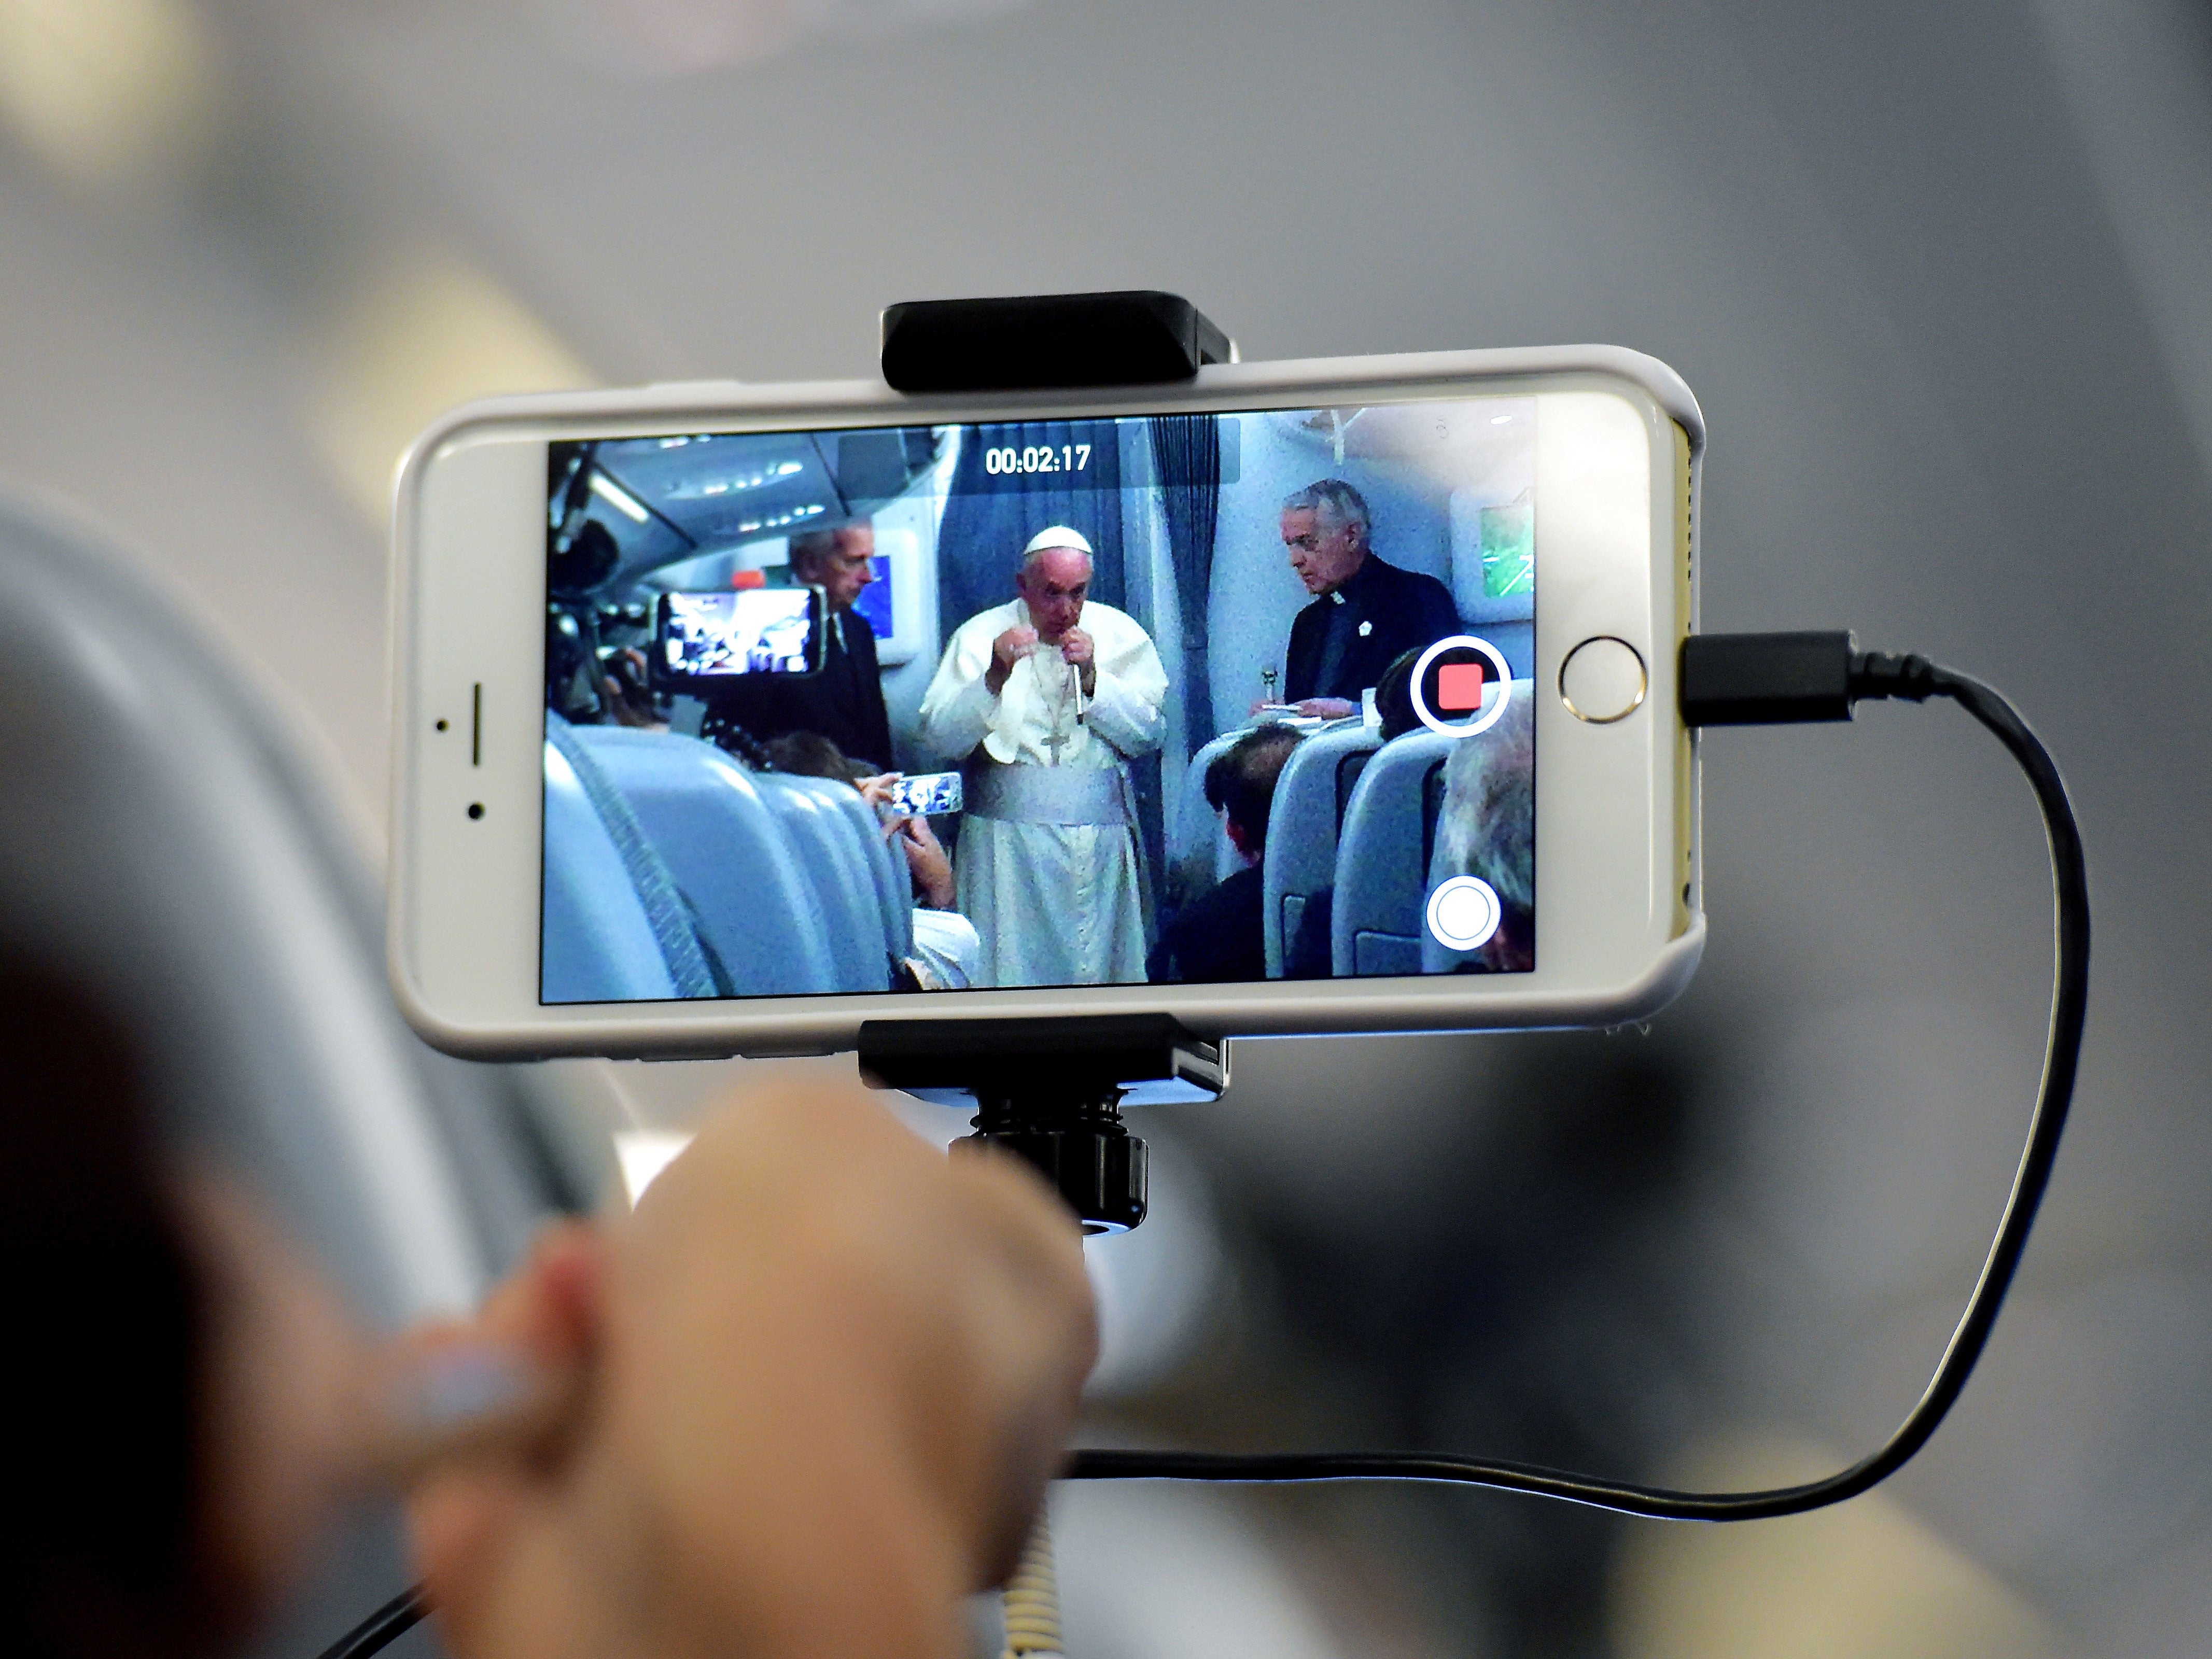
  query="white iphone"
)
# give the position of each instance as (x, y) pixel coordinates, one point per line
(1299, 697)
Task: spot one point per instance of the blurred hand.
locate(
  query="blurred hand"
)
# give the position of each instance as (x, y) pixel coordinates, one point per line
(877, 791)
(1329, 708)
(828, 1372)
(925, 861)
(628, 692)
(1009, 649)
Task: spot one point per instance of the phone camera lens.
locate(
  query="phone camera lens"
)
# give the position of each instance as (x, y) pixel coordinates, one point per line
(476, 808)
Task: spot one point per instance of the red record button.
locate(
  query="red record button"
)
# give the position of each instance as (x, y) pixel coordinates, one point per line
(1459, 687)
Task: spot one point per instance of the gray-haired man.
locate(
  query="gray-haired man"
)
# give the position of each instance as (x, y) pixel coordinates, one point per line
(1365, 614)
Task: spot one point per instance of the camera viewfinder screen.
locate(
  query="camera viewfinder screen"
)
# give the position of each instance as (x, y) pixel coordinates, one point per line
(1199, 699)
(758, 631)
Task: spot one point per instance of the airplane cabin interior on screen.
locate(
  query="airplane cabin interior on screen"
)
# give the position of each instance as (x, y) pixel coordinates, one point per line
(1195, 698)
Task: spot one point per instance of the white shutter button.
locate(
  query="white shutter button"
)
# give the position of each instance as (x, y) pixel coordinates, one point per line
(1602, 680)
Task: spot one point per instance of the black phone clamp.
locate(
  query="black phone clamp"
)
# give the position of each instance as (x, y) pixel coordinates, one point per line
(1051, 1091)
(1049, 342)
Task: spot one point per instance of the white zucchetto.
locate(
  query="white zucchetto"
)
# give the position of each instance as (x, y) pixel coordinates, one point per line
(1058, 535)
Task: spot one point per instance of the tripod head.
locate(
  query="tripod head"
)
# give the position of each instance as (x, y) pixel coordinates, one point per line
(1051, 1091)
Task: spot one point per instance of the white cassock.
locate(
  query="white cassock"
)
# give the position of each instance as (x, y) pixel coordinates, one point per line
(1047, 864)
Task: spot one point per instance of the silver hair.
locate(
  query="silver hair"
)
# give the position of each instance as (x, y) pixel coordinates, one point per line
(1332, 499)
(1488, 818)
(808, 545)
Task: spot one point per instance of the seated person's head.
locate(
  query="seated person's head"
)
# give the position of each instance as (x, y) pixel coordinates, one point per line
(582, 564)
(189, 1387)
(1394, 696)
(109, 1303)
(1486, 828)
(810, 754)
(1240, 785)
(841, 561)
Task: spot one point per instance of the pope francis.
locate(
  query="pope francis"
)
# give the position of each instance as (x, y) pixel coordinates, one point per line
(1041, 699)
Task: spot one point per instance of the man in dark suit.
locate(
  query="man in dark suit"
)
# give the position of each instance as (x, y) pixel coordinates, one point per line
(844, 703)
(1365, 613)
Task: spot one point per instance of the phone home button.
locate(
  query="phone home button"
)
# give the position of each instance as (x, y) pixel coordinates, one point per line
(1602, 680)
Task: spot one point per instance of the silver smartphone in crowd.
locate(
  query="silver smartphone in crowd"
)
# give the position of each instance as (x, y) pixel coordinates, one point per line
(934, 794)
(1303, 696)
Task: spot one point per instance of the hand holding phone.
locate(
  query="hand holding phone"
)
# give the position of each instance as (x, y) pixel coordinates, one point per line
(765, 1475)
(932, 794)
(926, 862)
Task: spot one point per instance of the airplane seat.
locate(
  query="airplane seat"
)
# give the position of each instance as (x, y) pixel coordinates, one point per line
(894, 881)
(886, 866)
(1311, 794)
(1382, 857)
(168, 842)
(1199, 856)
(598, 945)
(716, 830)
(616, 921)
(851, 881)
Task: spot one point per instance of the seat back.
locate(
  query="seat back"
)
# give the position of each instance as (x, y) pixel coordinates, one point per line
(834, 834)
(1311, 795)
(1199, 856)
(168, 842)
(887, 865)
(717, 832)
(1382, 857)
(597, 943)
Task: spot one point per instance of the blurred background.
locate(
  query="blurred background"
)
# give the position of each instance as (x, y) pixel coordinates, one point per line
(1942, 278)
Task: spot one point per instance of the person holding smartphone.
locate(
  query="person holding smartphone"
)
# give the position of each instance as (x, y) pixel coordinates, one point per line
(809, 1393)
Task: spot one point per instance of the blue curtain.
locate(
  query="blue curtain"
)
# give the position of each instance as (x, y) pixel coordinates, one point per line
(1187, 461)
(990, 516)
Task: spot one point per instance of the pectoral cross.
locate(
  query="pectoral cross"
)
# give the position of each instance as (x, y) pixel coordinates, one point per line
(1067, 702)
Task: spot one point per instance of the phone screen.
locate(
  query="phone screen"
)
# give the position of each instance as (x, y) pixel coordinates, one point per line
(713, 635)
(932, 796)
(1215, 698)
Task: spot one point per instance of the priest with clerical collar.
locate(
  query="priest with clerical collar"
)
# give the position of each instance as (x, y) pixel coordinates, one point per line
(1365, 614)
(1041, 700)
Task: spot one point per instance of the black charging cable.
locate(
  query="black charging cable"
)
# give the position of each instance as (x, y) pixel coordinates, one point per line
(1727, 679)
(1771, 679)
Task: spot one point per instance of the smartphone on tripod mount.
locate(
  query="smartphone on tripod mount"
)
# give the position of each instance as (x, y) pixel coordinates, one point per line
(1494, 549)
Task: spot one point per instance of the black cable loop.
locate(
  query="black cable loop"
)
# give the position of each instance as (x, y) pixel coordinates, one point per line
(381, 1628)
(1873, 675)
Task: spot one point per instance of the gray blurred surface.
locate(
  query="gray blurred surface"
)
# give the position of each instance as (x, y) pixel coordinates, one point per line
(1942, 278)
(163, 843)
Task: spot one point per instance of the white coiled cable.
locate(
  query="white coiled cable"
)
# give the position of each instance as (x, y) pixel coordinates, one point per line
(1032, 1600)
